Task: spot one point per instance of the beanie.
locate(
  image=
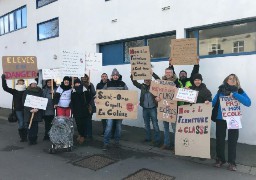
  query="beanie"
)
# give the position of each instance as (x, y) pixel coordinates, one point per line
(66, 78)
(115, 72)
(77, 81)
(197, 76)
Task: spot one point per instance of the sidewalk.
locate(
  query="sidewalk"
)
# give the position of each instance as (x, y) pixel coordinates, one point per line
(132, 137)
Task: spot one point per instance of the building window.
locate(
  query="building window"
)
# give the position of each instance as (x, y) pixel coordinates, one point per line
(238, 46)
(118, 52)
(41, 3)
(48, 29)
(226, 38)
(13, 21)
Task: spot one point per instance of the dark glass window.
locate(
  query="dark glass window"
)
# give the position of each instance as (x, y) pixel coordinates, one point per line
(41, 3)
(48, 29)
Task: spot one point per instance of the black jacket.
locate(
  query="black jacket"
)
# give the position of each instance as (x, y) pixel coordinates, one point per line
(204, 94)
(17, 96)
(101, 84)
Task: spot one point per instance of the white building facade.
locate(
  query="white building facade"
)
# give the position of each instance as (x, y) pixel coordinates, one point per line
(226, 32)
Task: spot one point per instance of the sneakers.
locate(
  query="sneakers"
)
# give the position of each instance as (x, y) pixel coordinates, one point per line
(218, 164)
(105, 147)
(232, 167)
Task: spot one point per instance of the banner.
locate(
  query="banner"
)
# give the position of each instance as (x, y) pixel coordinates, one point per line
(193, 127)
(184, 51)
(187, 95)
(231, 112)
(36, 102)
(116, 104)
(93, 62)
(140, 62)
(19, 67)
(51, 73)
(167, 107)
(73, 63)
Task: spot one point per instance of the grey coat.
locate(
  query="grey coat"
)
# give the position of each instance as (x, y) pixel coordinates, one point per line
(50, 105)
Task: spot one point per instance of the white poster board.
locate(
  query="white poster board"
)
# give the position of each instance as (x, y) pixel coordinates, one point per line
(93, 62)
(36, 102)
(186, 95)
(51, 73)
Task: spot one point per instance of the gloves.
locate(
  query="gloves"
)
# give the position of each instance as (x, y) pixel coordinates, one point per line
(33, 110)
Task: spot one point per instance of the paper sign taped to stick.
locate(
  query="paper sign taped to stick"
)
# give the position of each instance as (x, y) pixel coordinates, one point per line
(19, 67)
(73, 63)
(140, 62)
(230, 107)
(187, 95)
(36, 102)
(184, 51)
(51, 73)
(116, 104)
(93, 62)
(193, 127)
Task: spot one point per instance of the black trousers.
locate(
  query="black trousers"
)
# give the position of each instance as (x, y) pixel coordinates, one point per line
(33, 131)
(221, 128)
(80, 123)
(47, 124)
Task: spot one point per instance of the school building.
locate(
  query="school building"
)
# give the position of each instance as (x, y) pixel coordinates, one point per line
(225, 30)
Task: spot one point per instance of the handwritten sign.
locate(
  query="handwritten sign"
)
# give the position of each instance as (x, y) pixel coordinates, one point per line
(116, 104)
(93, 62)
(158, 85)
(140, 62)
(193, 127)
(184, 51)
(231, 112)
(19, 67)
(167, 107)
(72, 63)
(51, 73)
(186, 95)
(36, 102)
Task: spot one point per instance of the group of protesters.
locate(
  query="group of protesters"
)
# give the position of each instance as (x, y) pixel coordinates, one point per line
(79, 97)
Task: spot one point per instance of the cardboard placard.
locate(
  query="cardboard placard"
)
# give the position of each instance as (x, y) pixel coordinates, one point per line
(116, 104)
(19, 67)
(184, 51)
(230, 107)
(187, 95)
(51, 73)
(36, 102)
(193, 128)
(140, 62)
(158, 85)
(167, 107)
(73, 63)
(93, 62)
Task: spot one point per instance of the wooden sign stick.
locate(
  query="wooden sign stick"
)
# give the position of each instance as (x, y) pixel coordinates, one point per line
(31, 119)
(52, 87)
(72, 82)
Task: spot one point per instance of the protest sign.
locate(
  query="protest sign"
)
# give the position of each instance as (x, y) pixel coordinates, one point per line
(193, 127)
(231, 112)
(184, 51)
(167, 107)
(19, 67)
(116, 104)
(73, 63)
(187, 95)
(93, 62)
(158, 86)
(36, 102)
(51, 73)
(140, 62)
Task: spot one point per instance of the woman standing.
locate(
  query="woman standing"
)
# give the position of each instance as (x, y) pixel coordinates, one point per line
(48, 114)
(230, 87)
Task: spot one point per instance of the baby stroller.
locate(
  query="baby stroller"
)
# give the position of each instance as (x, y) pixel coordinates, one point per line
(61, 134)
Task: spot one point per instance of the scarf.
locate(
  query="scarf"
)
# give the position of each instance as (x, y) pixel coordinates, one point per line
(226, 89)
(20, 87)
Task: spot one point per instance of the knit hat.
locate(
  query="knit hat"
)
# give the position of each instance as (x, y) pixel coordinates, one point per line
(183, 71)
(66, 78)
(197, 76)
(77, 81)
(115, 72)
(32, 81)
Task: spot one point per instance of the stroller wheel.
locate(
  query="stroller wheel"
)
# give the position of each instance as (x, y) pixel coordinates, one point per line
(69, 149)
(52, 151)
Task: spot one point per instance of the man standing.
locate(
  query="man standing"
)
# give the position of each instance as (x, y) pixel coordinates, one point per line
(149, 105)
(114, 84)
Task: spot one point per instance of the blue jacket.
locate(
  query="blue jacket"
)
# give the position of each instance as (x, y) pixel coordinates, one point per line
(242, 98)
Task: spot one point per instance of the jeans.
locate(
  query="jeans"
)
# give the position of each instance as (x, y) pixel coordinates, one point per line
(20, 116)
(104, 124)
(167, 134)
(151, 113)
(108, 130)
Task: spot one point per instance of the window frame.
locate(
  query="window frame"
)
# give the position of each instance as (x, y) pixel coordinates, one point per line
(196, 30)
(238, 46)
(44, 22)
(145, 38)
(37, 7)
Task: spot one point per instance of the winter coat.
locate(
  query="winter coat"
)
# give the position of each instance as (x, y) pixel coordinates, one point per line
(203, 93)
(115, 85)
(37, 91)
(17, 96)
(62, 97)
(101, 84)
(80, 102)
(50, 111)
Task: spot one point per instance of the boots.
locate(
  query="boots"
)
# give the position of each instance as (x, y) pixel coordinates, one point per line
(23, 135)
(32, 140)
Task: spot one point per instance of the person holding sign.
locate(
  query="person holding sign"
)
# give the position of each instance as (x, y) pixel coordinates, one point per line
(62, 98)
(149, 105)
(114, 84)
(18, 105)
(32, 114)
(80, 103)
(230, 87)
(49, 113)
